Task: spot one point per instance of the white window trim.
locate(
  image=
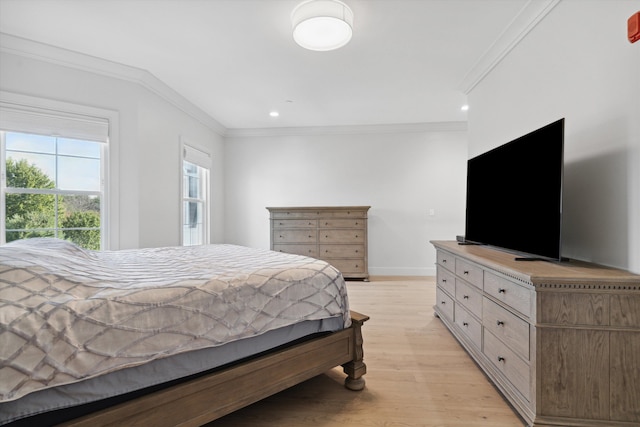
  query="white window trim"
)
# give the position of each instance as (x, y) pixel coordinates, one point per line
(110, 218)
(200, 156)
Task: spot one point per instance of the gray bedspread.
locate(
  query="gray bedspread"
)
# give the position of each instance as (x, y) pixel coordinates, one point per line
(67, 314)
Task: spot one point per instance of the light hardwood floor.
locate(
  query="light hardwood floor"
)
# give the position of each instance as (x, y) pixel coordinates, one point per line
(417, 373)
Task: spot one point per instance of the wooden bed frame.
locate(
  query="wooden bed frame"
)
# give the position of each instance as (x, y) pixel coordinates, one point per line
(204, 399)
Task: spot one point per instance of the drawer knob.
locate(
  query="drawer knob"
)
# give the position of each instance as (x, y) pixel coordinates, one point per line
(500, 323)
(500, 359)
(309, 235)
(443, 302)
(281, 236)
(444, 261)
(444, 280)
(501, 290)
(356, 236)
(466, 273)
(357, 251)
(465, 296)
(465, 324)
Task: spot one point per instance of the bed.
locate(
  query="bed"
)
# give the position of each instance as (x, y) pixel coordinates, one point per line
(164, 336)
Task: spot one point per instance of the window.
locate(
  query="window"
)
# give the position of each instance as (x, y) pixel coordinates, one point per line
(195, 196)
(53, 174)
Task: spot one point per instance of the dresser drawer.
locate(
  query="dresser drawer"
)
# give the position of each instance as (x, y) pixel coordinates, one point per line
(291, 235)
(516, 370)
(346, 266)
(345, 213)
(446, 280)
(469, 297)
(469, 272)
(295, 214)
(342, 251)
(515, 296)
(307, 250)
(294, 223)
(342, 223)
(511, 329)
(469, 325)
(446, 260)
(444, 303)
(341, 236)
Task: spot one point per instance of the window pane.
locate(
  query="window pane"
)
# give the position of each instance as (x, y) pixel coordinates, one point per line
(78, 173)
(30, 215)
(78, 148)
(31, 143)
(30, 170)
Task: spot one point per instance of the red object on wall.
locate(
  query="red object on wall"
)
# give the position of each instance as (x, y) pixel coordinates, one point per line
(633, 27)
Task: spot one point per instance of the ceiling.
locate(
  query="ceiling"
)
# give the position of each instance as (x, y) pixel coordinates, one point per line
(409, 60)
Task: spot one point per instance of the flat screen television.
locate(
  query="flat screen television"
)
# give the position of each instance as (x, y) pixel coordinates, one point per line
(514, 195)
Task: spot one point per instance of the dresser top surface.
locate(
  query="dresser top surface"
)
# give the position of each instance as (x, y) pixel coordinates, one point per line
(541, 272)
(319, 208)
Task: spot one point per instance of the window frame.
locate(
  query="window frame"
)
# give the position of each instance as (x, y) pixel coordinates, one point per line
(201, 157)
(48, 108)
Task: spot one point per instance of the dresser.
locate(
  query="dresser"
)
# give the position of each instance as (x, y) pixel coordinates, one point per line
(560, 340)
(336, 234)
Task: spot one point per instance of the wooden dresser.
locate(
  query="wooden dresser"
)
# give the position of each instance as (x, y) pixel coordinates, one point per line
(560, 340)
(336, 234)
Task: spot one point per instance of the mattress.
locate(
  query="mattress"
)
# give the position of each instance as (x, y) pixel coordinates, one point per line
(35, 408)
(68, 314)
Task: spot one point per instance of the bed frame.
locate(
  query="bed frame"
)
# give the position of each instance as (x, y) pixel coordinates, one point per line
(204, 399)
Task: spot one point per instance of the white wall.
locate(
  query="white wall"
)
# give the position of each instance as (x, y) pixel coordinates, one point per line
(577, 64)
(146, 169)
(401, 175)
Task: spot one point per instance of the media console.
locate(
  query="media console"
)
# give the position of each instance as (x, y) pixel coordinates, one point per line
(560, 340)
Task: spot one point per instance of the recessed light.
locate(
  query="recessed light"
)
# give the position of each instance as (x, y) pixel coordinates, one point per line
(274, 114)
(464, 107)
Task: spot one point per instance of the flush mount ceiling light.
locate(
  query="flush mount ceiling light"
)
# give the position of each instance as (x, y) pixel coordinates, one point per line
(322, 24)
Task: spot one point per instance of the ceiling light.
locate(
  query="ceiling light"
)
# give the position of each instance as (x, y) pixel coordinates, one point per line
(464, 108)
(274, 114)
(322, 24)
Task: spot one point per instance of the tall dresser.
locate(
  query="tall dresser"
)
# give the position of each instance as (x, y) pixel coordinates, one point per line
(561, 340)
(336, 234)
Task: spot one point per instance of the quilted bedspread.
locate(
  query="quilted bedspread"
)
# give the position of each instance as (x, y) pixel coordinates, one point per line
(67, 314)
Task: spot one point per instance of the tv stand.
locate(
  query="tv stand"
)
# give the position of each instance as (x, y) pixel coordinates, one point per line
(561, 341)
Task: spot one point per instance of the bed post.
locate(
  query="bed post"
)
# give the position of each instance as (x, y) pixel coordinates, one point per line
(356, 368)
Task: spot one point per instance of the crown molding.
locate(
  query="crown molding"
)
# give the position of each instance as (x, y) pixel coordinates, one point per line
(67, 58)
(529, 16)
(349, 130)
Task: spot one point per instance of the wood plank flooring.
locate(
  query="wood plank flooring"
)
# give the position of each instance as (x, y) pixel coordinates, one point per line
(417, 373)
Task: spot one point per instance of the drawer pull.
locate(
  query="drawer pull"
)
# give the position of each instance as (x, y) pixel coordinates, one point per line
(281, 236)
(444, 261)
(465, 296)
(466, 273)
(443, 302)
(465, 324)
(500, 323)
(356, 236)
(357, 251)
(501, 290)
(500, 359)
(444, 280)
(309, 235)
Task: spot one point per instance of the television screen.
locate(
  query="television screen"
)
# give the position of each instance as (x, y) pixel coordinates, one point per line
(514, 194)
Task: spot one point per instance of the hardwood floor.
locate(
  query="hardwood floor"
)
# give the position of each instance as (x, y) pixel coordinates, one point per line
(417, 373)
